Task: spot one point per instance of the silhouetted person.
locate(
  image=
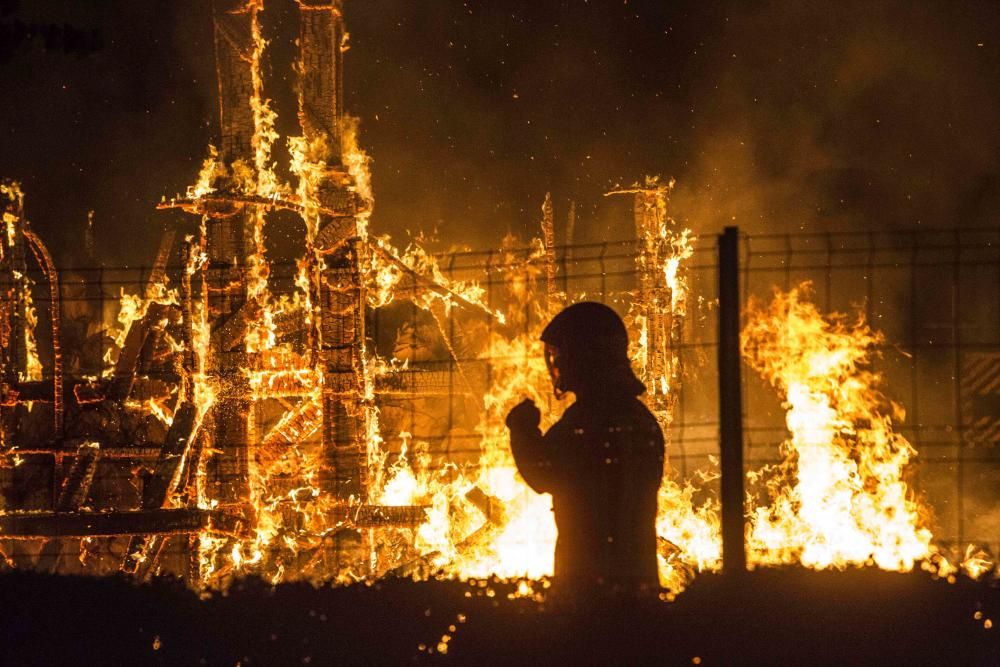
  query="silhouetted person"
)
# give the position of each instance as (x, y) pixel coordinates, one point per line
(602, 461)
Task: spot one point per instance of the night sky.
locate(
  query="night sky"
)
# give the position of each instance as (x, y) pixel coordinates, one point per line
(776, 116)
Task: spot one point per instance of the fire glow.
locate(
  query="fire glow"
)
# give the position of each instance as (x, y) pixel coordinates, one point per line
(320, 496)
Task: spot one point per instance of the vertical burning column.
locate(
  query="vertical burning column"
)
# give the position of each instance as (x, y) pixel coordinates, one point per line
(321, 40)
(343, 414)
(230, 236)
(656, 313)
(341, 331)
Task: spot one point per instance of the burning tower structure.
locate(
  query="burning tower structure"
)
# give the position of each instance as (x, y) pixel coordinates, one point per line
(310, 355)
(268, 401)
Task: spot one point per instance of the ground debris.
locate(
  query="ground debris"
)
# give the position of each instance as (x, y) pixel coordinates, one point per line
(770, 616)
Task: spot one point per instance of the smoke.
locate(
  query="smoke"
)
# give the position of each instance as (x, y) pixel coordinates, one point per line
(847, 116)
(774, 115)
(109, 129)
(777, 116)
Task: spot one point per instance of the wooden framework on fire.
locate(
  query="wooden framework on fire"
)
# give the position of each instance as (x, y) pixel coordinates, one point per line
(219, 388)
(315, 364)
(660, 306)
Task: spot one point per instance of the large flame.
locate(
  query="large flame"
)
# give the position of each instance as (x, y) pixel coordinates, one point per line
(132, 308)
(486, 520)
(264, 132)
(841, 497)
(260, 334)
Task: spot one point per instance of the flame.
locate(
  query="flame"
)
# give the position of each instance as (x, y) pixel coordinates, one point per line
(484, 521)
(976, 563)
(212, 170)
(133, 308)
(10, 230)
(264, 132)
(358, 164)
(386, 267)
(260, 335)
(12, 191)
(33, 371)
(525, 546)
(840, 497)
(659, 309)
(157, 407)
(689, 532)
(309, 165)
(33, 368)
(201, 332)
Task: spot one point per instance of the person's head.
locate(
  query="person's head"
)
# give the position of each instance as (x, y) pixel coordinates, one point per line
(586, 351)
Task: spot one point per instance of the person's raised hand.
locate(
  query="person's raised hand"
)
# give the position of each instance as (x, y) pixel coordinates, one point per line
(524, 417)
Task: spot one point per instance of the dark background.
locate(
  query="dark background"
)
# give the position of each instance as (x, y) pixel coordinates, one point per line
(777, 116)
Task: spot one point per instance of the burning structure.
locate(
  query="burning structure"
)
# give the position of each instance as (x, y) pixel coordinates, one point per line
(251, 408)
(271, 453)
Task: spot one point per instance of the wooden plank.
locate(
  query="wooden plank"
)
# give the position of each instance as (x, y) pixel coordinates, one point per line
(157, 490)
(76, 486)
(128, 358)
(417, 383)
(161, 486)
(35, 525)
(159, 273)
(370, 516)
(144, 549)
(72, 495)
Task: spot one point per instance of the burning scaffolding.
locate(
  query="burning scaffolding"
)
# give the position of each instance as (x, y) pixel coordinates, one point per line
(272, 459)
(269, 431)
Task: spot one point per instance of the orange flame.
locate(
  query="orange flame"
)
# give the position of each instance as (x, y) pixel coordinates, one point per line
(840, 498)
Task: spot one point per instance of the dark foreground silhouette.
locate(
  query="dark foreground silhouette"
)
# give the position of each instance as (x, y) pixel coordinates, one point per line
(788, 616)
(602, 461)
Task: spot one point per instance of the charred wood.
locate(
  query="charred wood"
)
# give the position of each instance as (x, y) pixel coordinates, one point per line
(35, 525)
(74, 491)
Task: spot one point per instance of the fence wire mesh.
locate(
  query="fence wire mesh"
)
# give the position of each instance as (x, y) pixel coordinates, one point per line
(935, 295)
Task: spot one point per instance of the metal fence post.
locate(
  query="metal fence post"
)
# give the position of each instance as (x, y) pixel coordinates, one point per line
(731, 404)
